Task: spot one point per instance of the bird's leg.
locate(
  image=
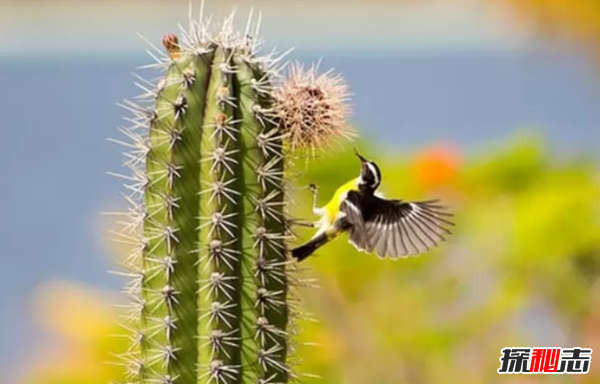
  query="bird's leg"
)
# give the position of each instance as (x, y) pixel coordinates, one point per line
(314, 189)
(316, 210)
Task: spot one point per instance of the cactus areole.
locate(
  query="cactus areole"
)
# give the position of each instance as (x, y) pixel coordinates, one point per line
(211, 275)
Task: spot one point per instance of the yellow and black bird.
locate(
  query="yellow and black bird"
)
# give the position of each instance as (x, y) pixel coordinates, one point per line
(391, 228)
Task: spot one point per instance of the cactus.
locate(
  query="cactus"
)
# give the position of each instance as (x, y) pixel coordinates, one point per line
(211, 275)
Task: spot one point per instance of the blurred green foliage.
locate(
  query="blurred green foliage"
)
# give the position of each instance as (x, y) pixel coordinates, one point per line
(521, 270)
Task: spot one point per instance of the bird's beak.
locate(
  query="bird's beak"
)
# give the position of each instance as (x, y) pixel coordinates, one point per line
(359, 156)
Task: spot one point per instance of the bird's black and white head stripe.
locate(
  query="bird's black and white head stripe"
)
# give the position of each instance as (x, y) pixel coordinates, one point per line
(370, 175)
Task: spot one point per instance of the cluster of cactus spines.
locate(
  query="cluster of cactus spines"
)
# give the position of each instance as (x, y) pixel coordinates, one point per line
(209, 150)
(321, 119)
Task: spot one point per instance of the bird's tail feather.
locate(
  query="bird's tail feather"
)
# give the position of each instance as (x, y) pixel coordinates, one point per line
(305, 250)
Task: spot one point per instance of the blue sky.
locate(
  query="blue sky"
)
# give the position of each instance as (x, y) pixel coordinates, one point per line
(54, 27)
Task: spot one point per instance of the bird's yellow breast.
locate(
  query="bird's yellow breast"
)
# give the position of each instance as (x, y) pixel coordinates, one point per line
(333, 206)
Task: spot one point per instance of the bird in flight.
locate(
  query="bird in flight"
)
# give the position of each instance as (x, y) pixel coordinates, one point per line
(391, 228)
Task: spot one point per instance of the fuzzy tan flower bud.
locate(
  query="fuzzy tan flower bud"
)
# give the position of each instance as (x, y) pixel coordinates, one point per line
(313, 108)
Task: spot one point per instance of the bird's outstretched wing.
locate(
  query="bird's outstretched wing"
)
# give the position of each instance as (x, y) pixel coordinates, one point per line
(353, 220)
(395, 228)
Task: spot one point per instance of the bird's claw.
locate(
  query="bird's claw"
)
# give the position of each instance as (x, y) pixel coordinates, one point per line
(312, 187)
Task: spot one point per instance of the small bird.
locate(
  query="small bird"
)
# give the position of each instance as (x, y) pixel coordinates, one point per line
(391, 228)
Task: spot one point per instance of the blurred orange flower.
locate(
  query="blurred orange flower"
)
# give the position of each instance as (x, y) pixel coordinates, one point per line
(437, 166)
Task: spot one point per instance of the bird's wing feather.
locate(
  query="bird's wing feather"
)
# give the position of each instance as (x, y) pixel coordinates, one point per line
(395, 228)
(353, 220)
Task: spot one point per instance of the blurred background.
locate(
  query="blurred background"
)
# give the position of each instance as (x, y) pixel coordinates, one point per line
(493, 106)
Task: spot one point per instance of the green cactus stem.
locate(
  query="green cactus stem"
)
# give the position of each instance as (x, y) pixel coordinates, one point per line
(211, 275)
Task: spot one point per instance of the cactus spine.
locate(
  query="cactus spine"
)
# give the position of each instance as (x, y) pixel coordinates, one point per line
(211, 276)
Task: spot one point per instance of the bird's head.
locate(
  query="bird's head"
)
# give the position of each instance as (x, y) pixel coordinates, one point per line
(370, 175)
